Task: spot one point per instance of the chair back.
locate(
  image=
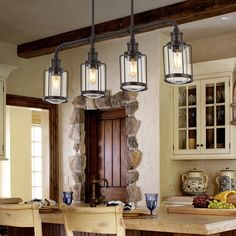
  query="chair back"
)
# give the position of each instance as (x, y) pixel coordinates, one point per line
(21, 215)
(102, 220)
(12, 200)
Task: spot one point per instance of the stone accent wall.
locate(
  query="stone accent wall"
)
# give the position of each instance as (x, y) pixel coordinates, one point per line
(77, 162)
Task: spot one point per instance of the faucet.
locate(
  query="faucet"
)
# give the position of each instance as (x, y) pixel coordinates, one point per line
(96, 200)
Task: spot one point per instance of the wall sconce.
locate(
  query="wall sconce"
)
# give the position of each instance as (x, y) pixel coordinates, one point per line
(133, 64)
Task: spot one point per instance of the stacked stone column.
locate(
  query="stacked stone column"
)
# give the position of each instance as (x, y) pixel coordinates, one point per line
(77, 162)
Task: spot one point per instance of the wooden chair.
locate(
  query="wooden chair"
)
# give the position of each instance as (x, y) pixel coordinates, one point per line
(21, 215)
(102, 220)
(12, 200)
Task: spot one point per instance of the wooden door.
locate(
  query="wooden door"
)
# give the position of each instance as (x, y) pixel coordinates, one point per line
(106, 151)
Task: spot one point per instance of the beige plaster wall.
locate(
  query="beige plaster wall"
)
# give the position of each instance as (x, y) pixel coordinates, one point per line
(171, 170)
(20, 152)
(8, 54)
(148, 113)
(27, 81)
(214, 48)
(153, 136)
(27, 78)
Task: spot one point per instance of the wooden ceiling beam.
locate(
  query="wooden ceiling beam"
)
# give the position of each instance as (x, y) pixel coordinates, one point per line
(182, 12)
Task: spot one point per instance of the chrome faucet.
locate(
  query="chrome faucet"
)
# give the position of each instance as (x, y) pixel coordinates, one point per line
(96, 200)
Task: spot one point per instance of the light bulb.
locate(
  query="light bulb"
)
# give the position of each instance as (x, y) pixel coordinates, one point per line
(177, 59)
(133, 68)
(56, 79)
(92, 76)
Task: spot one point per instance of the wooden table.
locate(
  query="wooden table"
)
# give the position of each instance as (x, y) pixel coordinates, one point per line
(169, 222)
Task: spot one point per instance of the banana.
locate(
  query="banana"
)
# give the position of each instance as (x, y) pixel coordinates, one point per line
(223, 196)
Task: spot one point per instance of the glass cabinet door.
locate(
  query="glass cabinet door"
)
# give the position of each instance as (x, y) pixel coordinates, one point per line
(215, 113)
(187, 118)
(201, 111)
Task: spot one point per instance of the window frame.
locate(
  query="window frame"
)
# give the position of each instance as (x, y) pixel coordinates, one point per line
(33, 158)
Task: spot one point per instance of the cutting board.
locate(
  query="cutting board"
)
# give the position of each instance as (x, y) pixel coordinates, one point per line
(201, 211)
(137, 214)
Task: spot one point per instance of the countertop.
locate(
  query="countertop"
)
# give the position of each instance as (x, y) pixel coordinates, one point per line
(168, 222)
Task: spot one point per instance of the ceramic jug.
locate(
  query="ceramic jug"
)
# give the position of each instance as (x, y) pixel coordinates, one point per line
(194, 182)
(226, 180)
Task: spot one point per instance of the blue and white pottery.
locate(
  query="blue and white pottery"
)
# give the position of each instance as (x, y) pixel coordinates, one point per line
(226, 180)
(194, 182)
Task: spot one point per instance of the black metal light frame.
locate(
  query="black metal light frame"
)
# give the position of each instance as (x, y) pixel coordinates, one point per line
(176, 39)
(97, 88)
(138, 81)
(182, 73)
(52, 95)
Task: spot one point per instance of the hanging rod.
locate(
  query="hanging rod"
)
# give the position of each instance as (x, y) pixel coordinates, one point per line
(115, 33)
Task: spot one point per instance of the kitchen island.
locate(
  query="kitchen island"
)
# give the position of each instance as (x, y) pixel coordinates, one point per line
(167, 223)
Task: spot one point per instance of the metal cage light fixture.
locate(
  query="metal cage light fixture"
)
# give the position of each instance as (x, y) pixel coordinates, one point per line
(133, 64)
(55, 83)
(93, 72)
(177, 57)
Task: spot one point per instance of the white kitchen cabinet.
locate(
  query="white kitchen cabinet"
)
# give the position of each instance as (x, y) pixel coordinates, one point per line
(4, 72)
(202, 114)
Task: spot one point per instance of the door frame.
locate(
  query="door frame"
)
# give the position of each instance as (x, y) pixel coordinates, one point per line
(32, 102)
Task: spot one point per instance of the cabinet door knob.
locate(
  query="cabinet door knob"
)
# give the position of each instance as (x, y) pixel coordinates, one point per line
(201, 145)
(198, 145)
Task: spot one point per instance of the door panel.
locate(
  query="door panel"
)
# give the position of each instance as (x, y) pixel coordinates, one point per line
(116, 153)
(106, 151)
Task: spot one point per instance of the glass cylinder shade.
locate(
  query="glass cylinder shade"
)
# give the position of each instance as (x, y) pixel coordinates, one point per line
(93, 79)
(55, 86)
(133, 72)
(177, 63)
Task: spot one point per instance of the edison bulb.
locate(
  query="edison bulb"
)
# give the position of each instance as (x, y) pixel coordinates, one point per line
(56, 79)
(177, 59)
(92, 76)
(133, 68)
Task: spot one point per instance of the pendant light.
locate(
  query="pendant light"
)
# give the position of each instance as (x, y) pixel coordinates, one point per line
(55, 83)
(93, 72)
(133, 64)
(177, 57)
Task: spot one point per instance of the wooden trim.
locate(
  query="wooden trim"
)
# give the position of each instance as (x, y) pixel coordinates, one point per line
(183, 12)
(22, 101)
(108, 114)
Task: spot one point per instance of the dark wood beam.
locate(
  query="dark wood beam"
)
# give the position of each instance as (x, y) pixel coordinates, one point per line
(182, 12)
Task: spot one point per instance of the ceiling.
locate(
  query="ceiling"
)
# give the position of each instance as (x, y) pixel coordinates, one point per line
(32, 20)
(210, 27)
(23, 21)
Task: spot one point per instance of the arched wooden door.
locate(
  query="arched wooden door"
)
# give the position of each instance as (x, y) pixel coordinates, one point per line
(106, 151)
